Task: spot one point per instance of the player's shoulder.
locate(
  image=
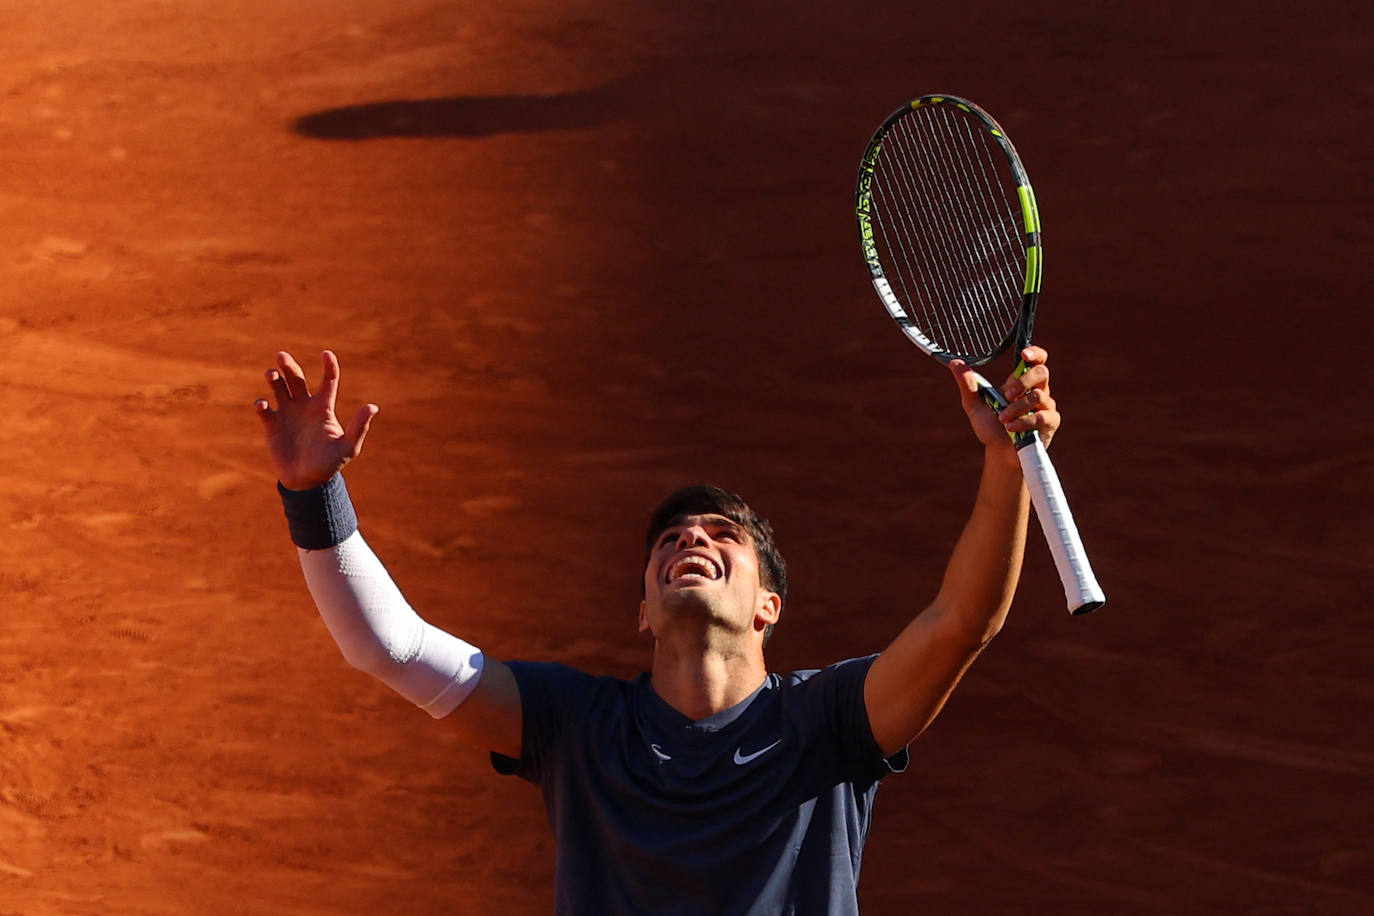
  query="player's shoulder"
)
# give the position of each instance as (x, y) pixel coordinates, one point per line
(560, 672)
(849, 667)
(559, 681)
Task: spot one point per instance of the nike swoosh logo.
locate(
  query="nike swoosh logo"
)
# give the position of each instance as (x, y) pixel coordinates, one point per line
(658, 752)
(742, 759)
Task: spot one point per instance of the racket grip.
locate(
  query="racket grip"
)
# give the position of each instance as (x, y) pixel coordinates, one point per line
(1080, 585)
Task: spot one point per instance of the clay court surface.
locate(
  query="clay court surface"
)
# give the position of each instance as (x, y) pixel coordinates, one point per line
(584, 252)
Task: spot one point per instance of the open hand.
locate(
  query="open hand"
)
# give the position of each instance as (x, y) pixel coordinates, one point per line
(1029, 403)
(305, 440)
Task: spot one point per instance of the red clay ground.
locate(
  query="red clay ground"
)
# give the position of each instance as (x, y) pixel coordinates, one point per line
(584, 252)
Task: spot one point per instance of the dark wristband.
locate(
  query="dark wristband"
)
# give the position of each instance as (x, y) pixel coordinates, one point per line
(321, 517)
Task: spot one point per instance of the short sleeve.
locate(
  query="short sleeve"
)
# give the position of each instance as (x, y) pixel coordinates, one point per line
(834, 698)
(552, 697)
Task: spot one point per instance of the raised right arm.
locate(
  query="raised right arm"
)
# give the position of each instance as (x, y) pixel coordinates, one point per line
(375, 628)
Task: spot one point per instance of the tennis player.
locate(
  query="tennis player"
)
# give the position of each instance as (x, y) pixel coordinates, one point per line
(708, 785)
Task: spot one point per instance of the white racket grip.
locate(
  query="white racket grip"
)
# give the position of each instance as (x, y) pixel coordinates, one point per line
(1080, 585)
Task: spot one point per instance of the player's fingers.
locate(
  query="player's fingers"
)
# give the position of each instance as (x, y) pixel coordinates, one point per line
(265, 412)
(329, 380)
(1032, 400)
(278, 384)
(293, 375)
(1045, 422)
(1026, 408)
(1035, 356)
(967, 380)
(965, 377)
(1036, 377)
(357, 430)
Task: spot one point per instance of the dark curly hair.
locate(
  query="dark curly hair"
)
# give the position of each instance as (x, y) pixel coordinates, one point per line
(702, 499)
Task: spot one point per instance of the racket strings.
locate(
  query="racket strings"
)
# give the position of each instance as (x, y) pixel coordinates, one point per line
(921, 209)
(967, 214)
(928, 251)
(910, 219)
(951, 238)
(979, 227)
(992, 184)
(902, 202)
(978, 149)
(973, 297)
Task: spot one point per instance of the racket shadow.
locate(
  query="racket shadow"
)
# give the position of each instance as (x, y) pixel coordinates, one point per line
(482, 116)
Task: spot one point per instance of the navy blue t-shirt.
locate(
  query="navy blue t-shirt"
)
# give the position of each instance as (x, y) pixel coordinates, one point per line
(762, 808)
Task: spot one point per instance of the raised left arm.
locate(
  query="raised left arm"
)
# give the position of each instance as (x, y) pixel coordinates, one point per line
(910, 681)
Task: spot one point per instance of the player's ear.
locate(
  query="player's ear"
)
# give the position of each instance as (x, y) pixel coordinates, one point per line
(770, 607)
(643, 617)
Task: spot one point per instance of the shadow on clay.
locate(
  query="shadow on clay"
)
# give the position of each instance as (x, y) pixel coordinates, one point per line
(479, 116)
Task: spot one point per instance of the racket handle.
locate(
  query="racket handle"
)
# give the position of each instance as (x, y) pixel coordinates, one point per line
(1080, 585)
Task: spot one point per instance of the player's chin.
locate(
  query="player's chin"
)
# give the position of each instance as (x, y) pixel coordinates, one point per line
(693, 599)
(678, 593)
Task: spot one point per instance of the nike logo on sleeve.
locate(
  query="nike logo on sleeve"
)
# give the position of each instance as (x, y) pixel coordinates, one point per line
(742, 759)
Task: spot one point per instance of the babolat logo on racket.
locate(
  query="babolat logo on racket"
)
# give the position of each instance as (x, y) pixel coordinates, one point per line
(865, 195)
(870, 247)
(864, 207)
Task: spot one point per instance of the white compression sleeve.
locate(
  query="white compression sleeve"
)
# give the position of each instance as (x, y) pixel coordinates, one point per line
(379, 633)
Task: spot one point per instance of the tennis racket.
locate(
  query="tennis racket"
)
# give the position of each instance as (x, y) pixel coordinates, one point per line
(951, 234)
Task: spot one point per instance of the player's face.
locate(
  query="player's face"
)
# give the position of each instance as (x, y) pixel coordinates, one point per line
(706, 563)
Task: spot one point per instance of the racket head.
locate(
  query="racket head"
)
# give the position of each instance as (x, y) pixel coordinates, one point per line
(950, 230)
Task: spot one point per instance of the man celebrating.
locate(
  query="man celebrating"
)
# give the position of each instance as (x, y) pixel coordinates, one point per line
(708, 785)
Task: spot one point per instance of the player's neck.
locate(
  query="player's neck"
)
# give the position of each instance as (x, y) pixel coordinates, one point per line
(700, 684)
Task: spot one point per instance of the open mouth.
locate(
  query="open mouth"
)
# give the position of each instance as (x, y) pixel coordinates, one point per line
(693, 567)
